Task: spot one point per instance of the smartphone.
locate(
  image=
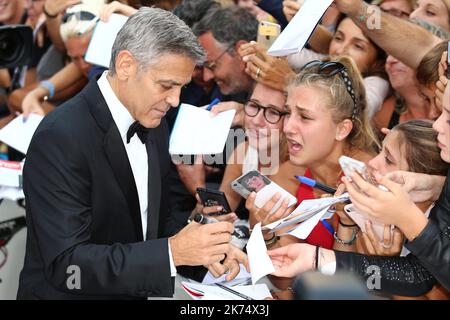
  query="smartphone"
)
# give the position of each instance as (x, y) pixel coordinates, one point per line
(265, 189)
(211, 198)
(267, 33)
(349, 165)
(360, 219)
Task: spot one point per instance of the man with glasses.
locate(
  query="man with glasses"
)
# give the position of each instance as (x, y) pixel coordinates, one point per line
(221, 33)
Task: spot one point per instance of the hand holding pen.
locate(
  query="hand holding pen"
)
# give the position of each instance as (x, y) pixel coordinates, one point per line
(202, 219)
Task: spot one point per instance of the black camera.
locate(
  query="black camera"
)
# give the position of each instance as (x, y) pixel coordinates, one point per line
(16, 42)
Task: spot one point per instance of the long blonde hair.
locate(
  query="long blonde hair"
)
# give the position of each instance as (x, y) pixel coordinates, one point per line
(362, 136)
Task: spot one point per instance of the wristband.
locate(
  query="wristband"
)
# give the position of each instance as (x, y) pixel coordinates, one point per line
(48, 15)
(347, 225)
(49, 86)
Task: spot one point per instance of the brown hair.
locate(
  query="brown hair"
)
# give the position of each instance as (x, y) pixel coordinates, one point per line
(427, 72)
(421, 149)
(362, 136)
(377, 68)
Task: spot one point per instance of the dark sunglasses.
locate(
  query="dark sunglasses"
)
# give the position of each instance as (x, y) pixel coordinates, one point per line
(332, 68)
(271, 115)
(80, 15)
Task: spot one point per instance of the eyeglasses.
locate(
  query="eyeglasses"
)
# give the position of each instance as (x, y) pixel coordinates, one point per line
(80, 15)
(332, 68)
(272, 115)
(211, 65)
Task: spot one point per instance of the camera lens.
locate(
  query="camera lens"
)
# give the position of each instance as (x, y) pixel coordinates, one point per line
(9, 48)
(16, 43)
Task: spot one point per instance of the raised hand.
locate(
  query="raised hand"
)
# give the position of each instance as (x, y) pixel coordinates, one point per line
(55, 7)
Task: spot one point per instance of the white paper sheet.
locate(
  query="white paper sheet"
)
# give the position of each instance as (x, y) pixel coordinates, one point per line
(260, 262)
(297, 33)
(306, 210)
(196, 132)
(11, 193)
(18, 134)
(212, 292)
(305, 228)
(100, 46)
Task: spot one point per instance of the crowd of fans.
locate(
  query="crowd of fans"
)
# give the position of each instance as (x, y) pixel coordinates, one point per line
(378, 95)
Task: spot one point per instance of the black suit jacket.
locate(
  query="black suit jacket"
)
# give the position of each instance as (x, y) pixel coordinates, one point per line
(83, 208)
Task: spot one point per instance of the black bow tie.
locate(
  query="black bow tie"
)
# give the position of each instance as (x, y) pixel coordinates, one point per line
(137, 128)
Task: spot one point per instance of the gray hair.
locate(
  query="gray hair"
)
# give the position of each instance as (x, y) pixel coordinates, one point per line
(151, 33)
(228, 25)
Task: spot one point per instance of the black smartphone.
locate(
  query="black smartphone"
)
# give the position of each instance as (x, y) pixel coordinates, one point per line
(212, 198)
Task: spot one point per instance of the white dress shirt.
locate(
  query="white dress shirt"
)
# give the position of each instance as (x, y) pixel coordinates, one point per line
(136, 152)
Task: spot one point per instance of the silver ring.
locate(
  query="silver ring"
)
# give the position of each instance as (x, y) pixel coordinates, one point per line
(386, 246)
(257, 73)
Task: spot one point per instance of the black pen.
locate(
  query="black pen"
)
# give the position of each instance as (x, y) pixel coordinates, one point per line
(243, 296)
(200, 218)
(316, 184)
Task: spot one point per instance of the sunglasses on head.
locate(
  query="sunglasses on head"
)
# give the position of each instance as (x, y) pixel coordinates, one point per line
(332, 68)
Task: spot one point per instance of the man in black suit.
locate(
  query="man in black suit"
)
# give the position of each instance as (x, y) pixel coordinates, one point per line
(95, 177)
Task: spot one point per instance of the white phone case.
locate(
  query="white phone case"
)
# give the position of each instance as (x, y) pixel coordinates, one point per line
(264, 194)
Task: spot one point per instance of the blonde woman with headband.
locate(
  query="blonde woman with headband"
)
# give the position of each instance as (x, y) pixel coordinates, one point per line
(327, 118)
